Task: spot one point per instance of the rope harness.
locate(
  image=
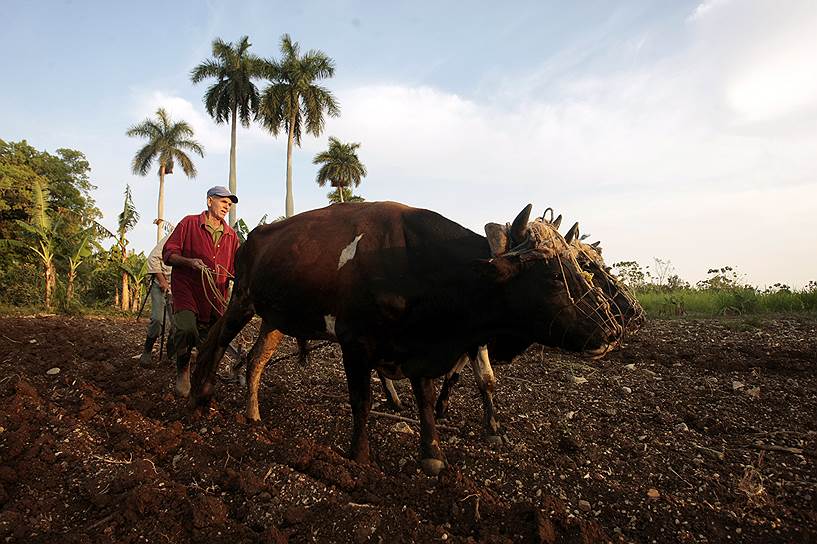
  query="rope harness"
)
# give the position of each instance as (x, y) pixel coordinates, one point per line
(208, 280)
(543, 241)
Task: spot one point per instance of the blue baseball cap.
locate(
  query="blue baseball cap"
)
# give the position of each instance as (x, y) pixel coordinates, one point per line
(222, 191)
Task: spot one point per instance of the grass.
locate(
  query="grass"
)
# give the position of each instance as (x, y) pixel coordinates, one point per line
(726, 302)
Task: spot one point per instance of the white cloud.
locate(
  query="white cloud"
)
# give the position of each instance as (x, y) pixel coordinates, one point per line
(214, 137)
(705, 8)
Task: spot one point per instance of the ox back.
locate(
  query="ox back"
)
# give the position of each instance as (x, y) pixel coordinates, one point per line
(398, 281)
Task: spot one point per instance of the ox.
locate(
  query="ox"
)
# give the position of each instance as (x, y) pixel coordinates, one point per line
(625, 307)
(404, 291)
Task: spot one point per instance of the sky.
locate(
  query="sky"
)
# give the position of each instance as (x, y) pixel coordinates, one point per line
(683, 131)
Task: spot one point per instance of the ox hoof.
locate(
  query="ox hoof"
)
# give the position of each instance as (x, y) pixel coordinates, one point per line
(183, 384)
(495, 439)
(431, 466)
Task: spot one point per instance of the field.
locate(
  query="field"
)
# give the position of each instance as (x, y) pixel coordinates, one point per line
(695, 431)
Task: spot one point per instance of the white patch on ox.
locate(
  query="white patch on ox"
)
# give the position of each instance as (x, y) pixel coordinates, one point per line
(330, 324)
(349, 251)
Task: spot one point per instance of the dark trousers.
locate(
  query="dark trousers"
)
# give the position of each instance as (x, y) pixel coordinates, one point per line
(190, 333)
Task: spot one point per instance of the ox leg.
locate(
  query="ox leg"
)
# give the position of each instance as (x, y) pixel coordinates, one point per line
(239, 312)
(432, 460)
(392, 398)
(303, 352)
(358, 379)
(263, 348)
(236, 376)
(486, 382)
(451, 379)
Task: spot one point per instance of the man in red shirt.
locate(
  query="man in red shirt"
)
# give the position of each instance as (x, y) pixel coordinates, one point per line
(201, 251)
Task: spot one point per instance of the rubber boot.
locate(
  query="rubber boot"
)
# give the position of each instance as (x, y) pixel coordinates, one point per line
(183, 375)
(145, 361)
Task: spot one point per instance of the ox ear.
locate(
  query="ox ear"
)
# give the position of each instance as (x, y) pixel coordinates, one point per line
(498, 270)
(519, 228)
(572, 233)
(556, 222)
(497, 238)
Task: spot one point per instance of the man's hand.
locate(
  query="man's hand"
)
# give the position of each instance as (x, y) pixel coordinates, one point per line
(197, 264)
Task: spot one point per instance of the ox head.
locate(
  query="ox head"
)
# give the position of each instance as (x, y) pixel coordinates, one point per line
(544, 283)
(624, 304)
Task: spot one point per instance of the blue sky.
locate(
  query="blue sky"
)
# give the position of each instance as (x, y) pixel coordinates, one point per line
(679, 130)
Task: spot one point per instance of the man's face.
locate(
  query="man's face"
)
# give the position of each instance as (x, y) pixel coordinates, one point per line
(219, 205)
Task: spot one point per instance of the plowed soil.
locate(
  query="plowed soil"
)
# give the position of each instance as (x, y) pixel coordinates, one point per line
(695, 431)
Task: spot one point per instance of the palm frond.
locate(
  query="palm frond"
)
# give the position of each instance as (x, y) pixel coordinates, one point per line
(187, 165)
(143, 159)
(207, 69)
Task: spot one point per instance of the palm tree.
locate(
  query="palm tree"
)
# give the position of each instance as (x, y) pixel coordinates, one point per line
(341, 167)
(233, 96)
(294, 100)
(346, 196)
(167, 143)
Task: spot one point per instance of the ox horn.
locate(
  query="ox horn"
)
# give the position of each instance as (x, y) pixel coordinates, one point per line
(520, 224)
(596, 245)
(545, 215)
(557, 221)
(572, 233)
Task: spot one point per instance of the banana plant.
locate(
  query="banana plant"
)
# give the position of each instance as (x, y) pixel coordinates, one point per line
(82, 251)
(242, 230)
(136, 268)
(126, 220)
(41, 239)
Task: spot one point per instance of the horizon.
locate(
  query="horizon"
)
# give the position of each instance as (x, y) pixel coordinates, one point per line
(685, 132)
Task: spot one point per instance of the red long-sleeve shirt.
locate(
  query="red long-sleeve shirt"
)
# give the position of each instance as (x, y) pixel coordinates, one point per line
(191, 239)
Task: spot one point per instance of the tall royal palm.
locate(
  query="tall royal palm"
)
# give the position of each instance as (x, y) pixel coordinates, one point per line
(233, 96)
(340, 166)
(167, 144)
(294, 101)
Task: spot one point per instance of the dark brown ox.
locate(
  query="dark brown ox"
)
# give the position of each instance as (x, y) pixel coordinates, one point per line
(404, 291)
(625, 307)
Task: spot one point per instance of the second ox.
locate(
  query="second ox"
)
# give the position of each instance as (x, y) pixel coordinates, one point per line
(406, 292)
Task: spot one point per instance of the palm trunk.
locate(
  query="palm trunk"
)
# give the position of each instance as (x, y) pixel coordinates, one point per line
(116, 297)
(290, 205)
(161, 210)
(233, 166)
(340, 192)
